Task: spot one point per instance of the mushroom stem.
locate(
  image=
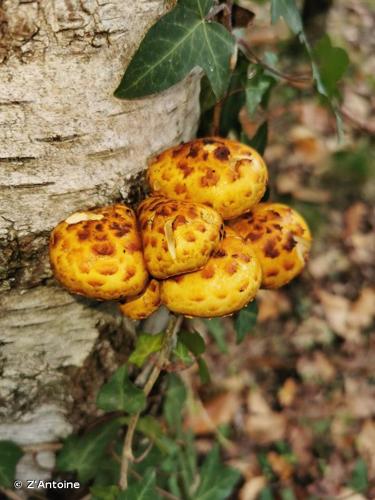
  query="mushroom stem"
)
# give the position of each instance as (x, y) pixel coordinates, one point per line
(165, 352)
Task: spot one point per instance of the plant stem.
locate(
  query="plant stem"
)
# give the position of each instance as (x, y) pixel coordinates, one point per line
(168, 343)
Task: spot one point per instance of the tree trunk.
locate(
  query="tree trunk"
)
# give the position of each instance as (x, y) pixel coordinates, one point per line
(67, 144)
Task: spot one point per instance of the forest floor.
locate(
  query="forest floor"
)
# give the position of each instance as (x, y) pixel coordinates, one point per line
(294, 404)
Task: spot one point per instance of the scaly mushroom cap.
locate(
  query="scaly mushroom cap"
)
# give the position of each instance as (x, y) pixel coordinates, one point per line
(228, 281)
(178, 236)
(98, 253)
(144, 304)
(280, 238)
(226, 175)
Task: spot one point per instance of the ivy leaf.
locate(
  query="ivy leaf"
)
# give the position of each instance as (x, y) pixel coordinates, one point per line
(10, 454)
(174, 401)
(266, 494)
(245, 321)
(84, 453)
(177, 43)
(257, 89)
(204, 374)
(146, 344)
(143, 490)
(104, 492)
(182, 352)
(152, 428)
(288, 10)
(217, 330)
(217, 480)
(359, 480)
(193, 341)
(119, 394)
(330, 64)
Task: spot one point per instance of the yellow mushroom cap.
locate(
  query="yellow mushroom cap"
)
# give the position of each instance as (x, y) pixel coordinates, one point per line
(98, 253)
(144, 304)
(229, 280)
(281, 239)
(177, 236)
(226, 175)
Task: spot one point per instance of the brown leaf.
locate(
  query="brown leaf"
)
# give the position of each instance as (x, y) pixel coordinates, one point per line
(272, 304)
(220, 410)
(280, 466)
(263, 425)
(318, 368)
(288, 392)
(366, 446)
(251, 489)
(360, 398)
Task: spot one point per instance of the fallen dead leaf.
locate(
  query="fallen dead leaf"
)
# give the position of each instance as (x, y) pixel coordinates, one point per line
(280, 466)
(272, 304)
(312, 331)
(318, 368)
(347, 318)
(251, 489)
(348, 494)
(366, 446)
(262, 424)
(205, 418)
(360, 397)
(287, 392)
(301, 440)
(333, 260)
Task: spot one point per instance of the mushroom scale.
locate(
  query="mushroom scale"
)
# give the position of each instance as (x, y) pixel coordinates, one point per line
(178, 236)
(229, 280)
(229, 176)
(281, 239)
(144, 304)
(98, 253)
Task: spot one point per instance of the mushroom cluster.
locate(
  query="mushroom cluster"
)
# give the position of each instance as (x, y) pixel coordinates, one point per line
(202, 243)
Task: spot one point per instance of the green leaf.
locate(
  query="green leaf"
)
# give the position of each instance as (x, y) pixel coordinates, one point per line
(235, 99)
(143, 490)
(182, 352)
(180, 41)
(146, 344)
(287, 494)
(245, 321)
(217, 481)
(289, 11)
(152, 428)
(204, 374)
(104, 492)
(119, 394)
(217, 330)
(266, 494)
(84, 453)
(174, 401)
(193, 342)
(330, 65)
(10, 454)
(256, 90)
(259, 140)
(359, 480)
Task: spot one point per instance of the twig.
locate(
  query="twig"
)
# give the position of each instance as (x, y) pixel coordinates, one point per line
(252, 57)
(36, 448)
(215, 125)
(369, 128)
(10, 494)
(127, 453)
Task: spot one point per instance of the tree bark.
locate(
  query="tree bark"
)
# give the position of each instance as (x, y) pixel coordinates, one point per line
(67, 144)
